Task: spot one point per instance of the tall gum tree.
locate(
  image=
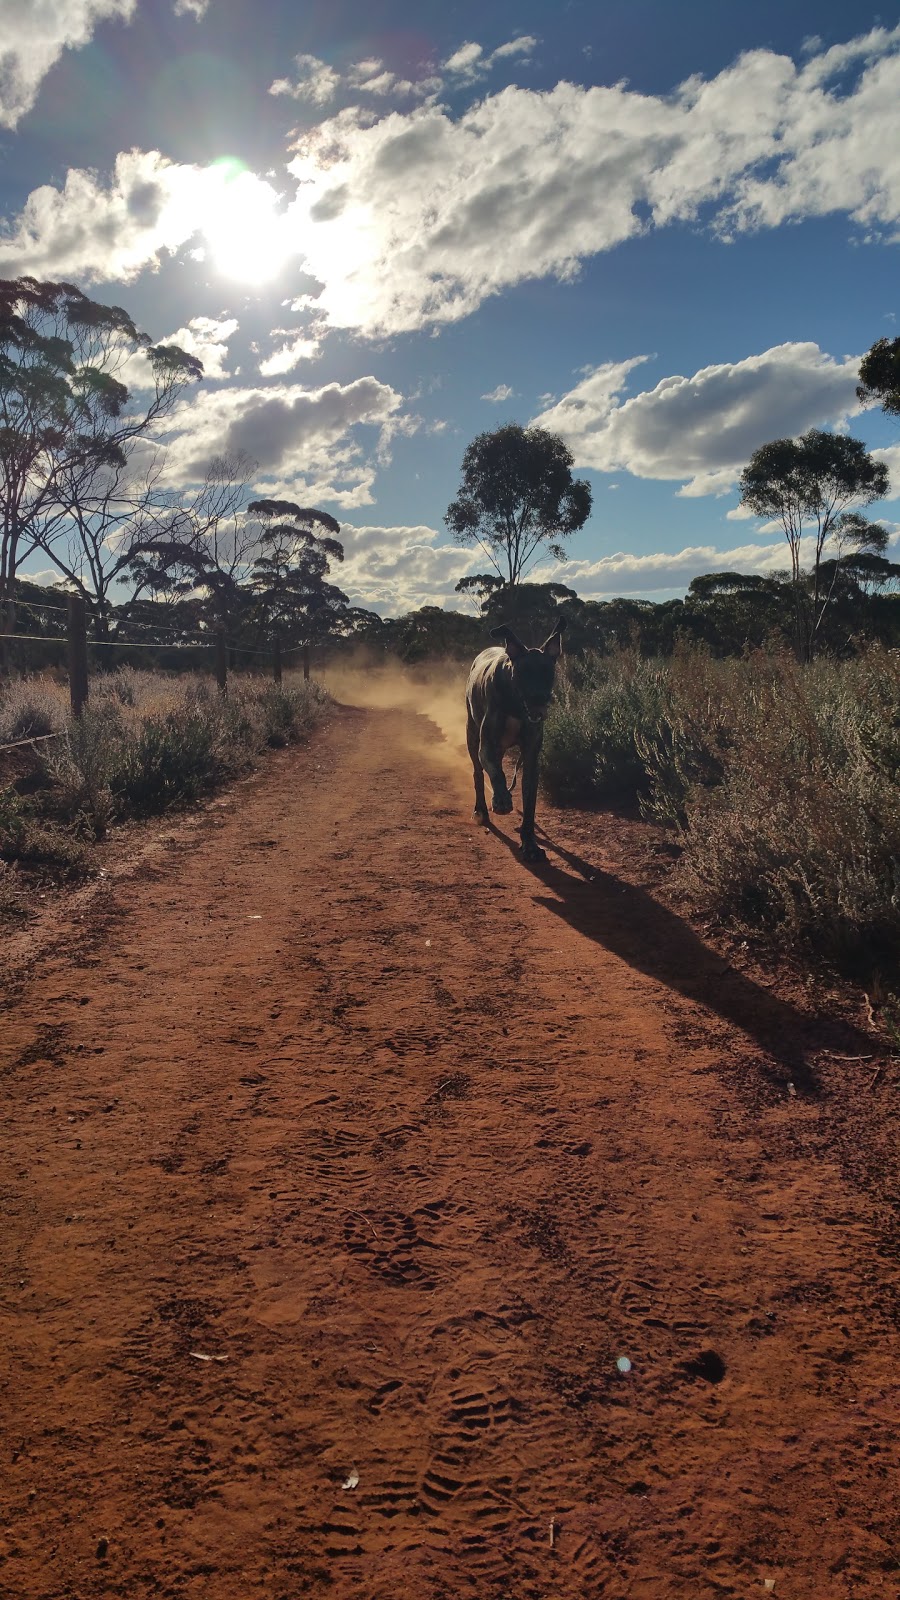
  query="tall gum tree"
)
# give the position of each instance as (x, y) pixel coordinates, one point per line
(65, 419)
(518, 497)
(809, 485)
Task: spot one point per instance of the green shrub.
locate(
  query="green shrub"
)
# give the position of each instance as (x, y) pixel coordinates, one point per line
(145, 742)
(82, 766)
(170, 760)
(29, 709)
(35, 842)
(784, 781)
(285, 715)
(591, 752)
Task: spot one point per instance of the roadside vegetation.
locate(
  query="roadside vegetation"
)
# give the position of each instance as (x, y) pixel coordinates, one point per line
(781, 781)
(145, 744)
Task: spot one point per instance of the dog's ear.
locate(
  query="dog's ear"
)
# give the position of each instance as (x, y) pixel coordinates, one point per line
(553, 646)
(514, 646)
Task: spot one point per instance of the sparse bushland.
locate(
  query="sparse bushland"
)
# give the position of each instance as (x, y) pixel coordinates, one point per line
(782, 781)
(144, 744)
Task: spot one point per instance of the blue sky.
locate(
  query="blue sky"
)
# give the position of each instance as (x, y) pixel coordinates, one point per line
(666, 231)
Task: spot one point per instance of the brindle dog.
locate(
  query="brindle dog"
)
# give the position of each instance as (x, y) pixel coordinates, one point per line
(507, 696)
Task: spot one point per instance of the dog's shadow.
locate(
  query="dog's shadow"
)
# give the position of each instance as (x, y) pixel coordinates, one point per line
(648, 937)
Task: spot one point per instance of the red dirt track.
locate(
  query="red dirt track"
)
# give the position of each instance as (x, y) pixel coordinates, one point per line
(418, 1143)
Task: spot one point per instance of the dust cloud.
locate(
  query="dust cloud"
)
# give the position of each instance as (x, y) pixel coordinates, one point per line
(437, 692)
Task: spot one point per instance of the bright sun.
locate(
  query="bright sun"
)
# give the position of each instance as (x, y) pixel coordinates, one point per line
(246, 234)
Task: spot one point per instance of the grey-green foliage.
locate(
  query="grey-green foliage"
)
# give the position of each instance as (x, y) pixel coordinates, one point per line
(783, 780)
(599, 714)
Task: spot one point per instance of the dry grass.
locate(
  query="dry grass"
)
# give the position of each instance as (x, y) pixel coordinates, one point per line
(144, 744)
(783, 782)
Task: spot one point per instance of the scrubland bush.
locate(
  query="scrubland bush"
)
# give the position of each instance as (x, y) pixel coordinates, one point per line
(143, 744)
(36, 842)
(29, 708)
(783, 781)
(600, 712)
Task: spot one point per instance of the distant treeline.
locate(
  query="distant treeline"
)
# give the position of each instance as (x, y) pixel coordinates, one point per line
(728, 612)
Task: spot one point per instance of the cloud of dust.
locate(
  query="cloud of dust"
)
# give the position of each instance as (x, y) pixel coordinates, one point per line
(436, 691)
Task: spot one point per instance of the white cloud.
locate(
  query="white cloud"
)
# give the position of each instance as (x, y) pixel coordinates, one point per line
(890, 455)
(204, 337)
(88, 229)
(372, 77)
(469, 62)
(319, 83)
(191, 8)
(835, 152)
(626, 573)
(315, 81)
(207, 339)
(33, 36)
(414, 219)
(397, 569)
(498, 395)
(101, 231)
(702, 430)
(464, 59)
(303, 439)
(297, 347)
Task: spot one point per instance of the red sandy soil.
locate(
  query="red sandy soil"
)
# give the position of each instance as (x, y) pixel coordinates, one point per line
(416, 1143)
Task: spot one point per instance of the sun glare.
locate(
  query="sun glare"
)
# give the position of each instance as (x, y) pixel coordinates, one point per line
(248, 238)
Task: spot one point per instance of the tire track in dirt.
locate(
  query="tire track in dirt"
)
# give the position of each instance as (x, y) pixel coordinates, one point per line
(421, 1143)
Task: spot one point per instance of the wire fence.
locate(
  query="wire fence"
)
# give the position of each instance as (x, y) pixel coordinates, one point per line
(39, 738)
(78, 646)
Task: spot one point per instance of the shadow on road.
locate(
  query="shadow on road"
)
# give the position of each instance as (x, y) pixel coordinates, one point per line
(630, 923)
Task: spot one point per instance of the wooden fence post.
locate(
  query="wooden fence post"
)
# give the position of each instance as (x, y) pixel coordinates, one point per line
(222, 661)
(276, 658)
(78, 665)
(306, 663)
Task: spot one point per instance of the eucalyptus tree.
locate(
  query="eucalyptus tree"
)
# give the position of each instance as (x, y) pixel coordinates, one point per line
(518, 498)
(295, 603)
(879, 376)
(809, 485)
(66, 421)
(204, 546)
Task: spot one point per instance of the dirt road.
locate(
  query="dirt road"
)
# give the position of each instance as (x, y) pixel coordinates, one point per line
(384, 1219)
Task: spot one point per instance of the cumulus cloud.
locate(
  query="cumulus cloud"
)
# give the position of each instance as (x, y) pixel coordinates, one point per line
(204, 337)
(97, 230)
(397, 569)
(530, 184)
(305, 440)
(207, 339)
(413, 218)
(702, 430)
(498, 395)
(315, 81)
(296, 347)
(33, 36)
(191, 8)
(470, 62)
(624, 573)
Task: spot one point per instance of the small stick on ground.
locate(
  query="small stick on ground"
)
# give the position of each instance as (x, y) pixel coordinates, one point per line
(876, 1075)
